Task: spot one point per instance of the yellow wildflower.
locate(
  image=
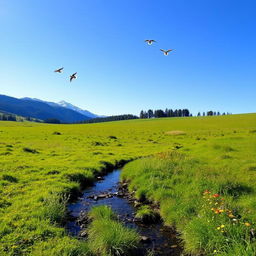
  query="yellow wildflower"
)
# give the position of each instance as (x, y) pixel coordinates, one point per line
(247, 224)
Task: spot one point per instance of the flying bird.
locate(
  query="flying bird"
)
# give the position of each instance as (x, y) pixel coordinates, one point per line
(166, 52)
(59, 70)
(150, 41)
(73, 76)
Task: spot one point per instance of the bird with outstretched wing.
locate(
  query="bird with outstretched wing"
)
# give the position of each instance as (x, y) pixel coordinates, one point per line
(150, 41)
(166, 52)
(59, 70)
(73, 76)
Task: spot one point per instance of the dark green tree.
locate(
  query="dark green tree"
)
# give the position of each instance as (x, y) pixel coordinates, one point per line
(159, 113)
(185, 112)
(150, 113)
(141, 114)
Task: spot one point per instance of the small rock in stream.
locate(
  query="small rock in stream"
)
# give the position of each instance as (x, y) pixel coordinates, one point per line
(124, 185)
(137, 204)
(83, 234)
(101, 196)
(145, 239)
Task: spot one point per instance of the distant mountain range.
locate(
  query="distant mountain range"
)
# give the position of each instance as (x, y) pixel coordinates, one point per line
(65, 104)
(36, 108)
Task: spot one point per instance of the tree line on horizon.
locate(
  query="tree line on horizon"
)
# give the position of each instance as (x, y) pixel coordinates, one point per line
(110, 118)
(7, 117)
(159, 113)
(213, 113)
(4, 116)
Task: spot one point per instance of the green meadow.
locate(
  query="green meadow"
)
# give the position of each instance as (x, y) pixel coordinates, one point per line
(199, 171)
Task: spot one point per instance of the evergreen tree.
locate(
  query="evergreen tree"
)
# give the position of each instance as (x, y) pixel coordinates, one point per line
(150, 113)
(141, 114)
(185, 112)
(166, 112)
(159, 113)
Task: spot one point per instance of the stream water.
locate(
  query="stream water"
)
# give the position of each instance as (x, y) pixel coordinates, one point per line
(161, 240)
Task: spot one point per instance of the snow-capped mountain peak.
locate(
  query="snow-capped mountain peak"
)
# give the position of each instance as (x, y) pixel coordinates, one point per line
(67, 105)
(77, 109)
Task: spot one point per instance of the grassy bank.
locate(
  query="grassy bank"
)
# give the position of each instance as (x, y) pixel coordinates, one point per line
(208, 192)
(107, 236)
(43, 165)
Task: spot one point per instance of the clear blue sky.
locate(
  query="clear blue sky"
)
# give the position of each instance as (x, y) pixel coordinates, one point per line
(213, 65)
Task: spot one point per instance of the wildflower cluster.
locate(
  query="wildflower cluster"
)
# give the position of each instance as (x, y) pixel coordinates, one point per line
(216, 202)
(224, 220)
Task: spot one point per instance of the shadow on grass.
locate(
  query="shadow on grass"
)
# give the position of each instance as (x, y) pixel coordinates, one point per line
(235, 190)
(10, 178)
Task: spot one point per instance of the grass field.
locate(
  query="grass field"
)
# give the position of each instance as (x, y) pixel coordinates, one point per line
(43, 165)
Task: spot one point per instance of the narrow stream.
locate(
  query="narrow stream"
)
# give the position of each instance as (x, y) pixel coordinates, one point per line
(160, 239)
